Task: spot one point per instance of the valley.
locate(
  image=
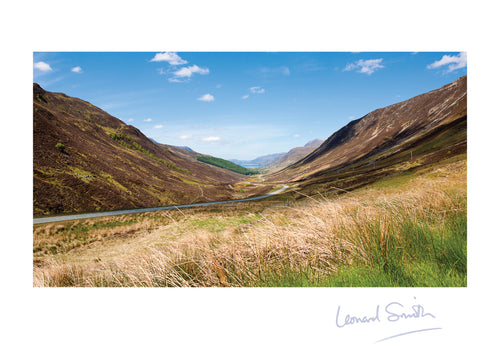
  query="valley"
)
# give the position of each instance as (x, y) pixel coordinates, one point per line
(409, 230)
(381, 202)
(86, 160)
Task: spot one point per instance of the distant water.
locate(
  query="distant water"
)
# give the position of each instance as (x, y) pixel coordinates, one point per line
(250, 165)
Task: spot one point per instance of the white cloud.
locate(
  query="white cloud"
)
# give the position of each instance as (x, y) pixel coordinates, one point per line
(365, 66)
(218, 86)
(350, 67)
(453, 62)
(148, 120)
(185, 137)
(172, 79)
(42, 66)
(211, 139)
(244, 97)
(182, 74)
(158, 126)
(171, 57)
(257, 89)
(207, 98)
(77, 69)
(297, 136)
(130, 120)
(190, 70)
(285, 71)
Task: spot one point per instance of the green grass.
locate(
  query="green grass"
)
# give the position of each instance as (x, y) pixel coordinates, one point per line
(82, 227)
(427, 257)
(409, 254)
(192, 182)
(219, 162)
(219, 224)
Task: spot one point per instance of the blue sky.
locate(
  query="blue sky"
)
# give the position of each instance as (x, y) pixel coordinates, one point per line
(244, 104)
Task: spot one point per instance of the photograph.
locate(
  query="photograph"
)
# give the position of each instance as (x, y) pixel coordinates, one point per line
(250, 169)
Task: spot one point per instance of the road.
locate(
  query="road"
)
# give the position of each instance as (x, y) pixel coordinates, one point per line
(140, 210)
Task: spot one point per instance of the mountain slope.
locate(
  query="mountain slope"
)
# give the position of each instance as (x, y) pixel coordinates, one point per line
(422, 130)
(293, 155)
(104, 164)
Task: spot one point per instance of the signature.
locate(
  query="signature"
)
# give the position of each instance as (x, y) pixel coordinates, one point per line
(392, 312)
(395, 311)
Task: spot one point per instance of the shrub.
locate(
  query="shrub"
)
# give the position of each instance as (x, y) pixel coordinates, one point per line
(60, 147)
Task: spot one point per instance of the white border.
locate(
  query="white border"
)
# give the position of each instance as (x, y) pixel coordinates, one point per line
(61, 323)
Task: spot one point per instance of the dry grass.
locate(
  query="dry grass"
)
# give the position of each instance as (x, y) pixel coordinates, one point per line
(401, 232)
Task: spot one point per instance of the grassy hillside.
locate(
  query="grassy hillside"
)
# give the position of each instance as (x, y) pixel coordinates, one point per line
(86, 160)
(443, 143)
(380, 138)
(219, 162)
(408, 230)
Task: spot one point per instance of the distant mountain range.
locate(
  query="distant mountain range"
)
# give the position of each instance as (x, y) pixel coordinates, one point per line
(84, 159)
(276, 161)
(293, 155)
(259, 161)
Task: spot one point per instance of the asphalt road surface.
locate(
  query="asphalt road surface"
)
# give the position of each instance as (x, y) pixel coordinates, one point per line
(140, 210)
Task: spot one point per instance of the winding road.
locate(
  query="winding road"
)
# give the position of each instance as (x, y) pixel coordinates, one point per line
(140, 210)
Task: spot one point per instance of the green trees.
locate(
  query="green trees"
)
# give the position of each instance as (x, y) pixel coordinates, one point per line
(219, 162)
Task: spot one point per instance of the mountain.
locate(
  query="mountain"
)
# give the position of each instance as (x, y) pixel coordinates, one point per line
(84, 159)
(185, 148)
(314, 143)
(276, 161)
(293, 155)
(259, 161)
(266, 160)
(422, 130)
